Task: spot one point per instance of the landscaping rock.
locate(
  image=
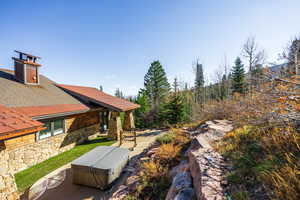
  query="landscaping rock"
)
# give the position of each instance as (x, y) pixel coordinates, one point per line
(207, 167)
(186, 194)
(195, 169)
(182, 180)
(182, 167)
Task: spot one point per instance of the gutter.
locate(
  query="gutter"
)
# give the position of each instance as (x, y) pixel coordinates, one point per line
(58, 115)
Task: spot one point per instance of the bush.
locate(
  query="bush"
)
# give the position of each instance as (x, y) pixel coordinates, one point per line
(165, 139)
(168, 154)
(154, 181)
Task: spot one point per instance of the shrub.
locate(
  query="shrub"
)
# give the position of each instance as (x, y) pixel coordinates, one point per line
(168, 154)
(154, 181)
(165, 139)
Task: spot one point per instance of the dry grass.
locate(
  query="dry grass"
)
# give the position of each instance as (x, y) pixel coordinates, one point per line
(168, 153)
(264, 147)
(268, 157)
(154, 180)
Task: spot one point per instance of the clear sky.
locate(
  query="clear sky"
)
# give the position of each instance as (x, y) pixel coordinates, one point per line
(113, 42)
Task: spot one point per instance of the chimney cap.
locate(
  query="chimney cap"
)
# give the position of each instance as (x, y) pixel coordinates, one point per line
(29, 55)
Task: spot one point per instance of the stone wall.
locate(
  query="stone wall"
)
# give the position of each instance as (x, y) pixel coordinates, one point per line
(128, 121)
(115, 126)
(23, 152)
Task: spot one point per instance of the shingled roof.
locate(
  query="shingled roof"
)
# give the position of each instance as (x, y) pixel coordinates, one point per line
(99, 97)
(38, 112)
(13, 123)
(17, 94)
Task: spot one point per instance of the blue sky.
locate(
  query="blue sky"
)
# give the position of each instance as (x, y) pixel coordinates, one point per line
(113, 42)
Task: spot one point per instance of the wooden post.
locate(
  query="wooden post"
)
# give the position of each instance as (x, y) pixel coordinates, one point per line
(135, 142)
(121, 138)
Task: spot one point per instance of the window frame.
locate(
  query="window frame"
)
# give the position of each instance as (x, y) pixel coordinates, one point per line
(52, 131)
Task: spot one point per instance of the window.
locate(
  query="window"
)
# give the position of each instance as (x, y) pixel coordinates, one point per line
(47, 132)
(58, 127)
(53, 127)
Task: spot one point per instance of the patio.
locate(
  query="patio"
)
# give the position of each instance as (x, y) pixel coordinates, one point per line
(58, 184)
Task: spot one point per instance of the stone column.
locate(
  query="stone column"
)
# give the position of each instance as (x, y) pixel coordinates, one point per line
(114, 126)
(128, 121)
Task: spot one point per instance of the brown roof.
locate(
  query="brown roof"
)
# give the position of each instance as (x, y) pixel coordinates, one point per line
(36, 111)
(16, 94)
(13, 123)
(99, 97)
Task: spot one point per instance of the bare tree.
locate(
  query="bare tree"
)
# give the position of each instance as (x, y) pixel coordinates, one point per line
(253, 53)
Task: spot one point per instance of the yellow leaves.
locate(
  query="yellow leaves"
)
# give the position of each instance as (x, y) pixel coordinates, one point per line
(297, 107)
(282, 99)
(282, 87)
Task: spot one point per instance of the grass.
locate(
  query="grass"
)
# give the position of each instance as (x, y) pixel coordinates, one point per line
(154, 179)
(265, 162)
(24, 179)
(166, 139)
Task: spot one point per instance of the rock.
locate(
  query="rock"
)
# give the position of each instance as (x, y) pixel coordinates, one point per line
(171, 193)
(182, 180)
(186, 194)
(195, 170)
(182, 167)
(2, 184)
(152, 151)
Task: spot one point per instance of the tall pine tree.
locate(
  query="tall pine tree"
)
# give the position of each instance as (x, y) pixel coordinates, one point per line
(238, 77)
(199, 84)
(156, 85)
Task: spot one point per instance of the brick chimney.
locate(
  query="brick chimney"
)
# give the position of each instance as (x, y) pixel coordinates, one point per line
(26, 68)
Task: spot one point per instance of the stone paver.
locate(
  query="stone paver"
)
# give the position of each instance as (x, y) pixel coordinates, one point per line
(58, 184)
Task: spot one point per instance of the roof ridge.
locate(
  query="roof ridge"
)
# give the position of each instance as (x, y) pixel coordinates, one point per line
(78, 86)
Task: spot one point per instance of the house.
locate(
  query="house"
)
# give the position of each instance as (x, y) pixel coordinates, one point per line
(40, 118)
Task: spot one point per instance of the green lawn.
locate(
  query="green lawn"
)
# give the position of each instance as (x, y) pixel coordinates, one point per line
(27, 177)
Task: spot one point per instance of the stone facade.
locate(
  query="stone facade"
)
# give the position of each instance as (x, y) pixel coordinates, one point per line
(128, 121)
(114, 126)
(23, 152)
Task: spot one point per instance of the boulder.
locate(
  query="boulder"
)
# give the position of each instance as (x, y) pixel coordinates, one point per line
(186, 194)
(180, 182)
(182, 167)
(195, 169)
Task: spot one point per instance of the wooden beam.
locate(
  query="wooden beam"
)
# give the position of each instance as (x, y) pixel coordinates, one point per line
(13, 134)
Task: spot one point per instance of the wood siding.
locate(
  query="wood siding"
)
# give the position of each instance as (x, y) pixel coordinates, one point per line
(79, 121)
(17, 142)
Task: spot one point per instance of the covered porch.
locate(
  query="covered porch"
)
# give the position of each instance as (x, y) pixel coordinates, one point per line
(109, 107)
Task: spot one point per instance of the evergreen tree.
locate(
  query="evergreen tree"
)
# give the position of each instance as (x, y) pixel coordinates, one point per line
(224, 88)
(173, 111)
(176, 85)
(101, 88)
(238, 77)
(119, 93)
(199, 81)
(144, 108)
(156, 85)
(199, 84)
